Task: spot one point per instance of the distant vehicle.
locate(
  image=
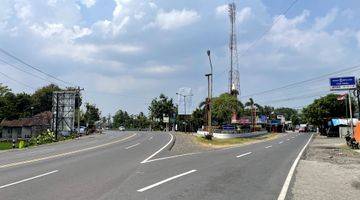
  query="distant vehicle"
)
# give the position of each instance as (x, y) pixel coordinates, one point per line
(303, 128)
(82, 130)
(121, 128)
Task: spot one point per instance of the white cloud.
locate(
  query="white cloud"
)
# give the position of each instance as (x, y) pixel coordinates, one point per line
(59, 31)
(222, 9)
(88, 3)
(323, 22)
(162, 69)
(23, 10)
(176, 19)
(244, 14)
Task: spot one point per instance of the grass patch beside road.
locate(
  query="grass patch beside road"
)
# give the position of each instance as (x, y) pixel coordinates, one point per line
(6, 145)
(233, 141)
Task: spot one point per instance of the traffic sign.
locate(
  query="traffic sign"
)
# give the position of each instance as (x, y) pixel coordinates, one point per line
(343, 83)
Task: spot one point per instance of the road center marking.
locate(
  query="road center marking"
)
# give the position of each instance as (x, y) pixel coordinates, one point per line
(268, 147)
(64, 154)
(245, 154)
(129, 147)
(158, 151)
(28, 179)
(281, 142)
(166, 180)
(286, 185)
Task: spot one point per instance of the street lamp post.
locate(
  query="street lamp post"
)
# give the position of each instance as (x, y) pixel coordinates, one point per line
(210, 90)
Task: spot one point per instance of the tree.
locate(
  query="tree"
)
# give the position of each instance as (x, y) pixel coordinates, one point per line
(23, 105)
(224, 106)
(4, 89)
(42, 98)
(121, 118)
(160, 107)
(323, 109)
(286, 112)
(92, 114)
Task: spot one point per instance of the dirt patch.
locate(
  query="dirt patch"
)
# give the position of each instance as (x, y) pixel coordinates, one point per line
(327, 170)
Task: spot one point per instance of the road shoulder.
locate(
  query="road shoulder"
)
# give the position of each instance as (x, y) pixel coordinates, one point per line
(327, 170)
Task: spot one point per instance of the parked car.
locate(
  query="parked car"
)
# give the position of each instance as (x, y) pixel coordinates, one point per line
(82, 130)
(303, 128)
(121, 128)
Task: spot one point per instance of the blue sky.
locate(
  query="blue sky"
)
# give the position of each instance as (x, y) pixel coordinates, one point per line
(125, 52)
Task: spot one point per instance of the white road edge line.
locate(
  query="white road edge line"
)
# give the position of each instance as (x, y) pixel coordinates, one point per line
(28, 179)
(286, 185)
(245, 154)
(166, 180)
(129, 147)
(158, 151)
(268, 147)
(175, 156)
(66, 153)
(281, 142)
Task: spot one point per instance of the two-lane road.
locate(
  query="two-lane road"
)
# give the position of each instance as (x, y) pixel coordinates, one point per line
(126, 165)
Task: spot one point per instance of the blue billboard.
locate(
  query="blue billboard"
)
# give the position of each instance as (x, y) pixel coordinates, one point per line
(343, 83)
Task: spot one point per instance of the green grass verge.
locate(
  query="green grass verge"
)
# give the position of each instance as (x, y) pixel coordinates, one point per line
(7, 145)
(232, 141)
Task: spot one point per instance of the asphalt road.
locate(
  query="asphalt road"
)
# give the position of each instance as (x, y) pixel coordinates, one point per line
(135, 165)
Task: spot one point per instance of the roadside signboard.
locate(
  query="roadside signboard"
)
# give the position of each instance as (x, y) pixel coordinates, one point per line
(166, 119)
(343, 83)
(228, 127)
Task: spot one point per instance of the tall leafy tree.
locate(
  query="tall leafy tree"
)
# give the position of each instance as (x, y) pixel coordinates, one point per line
(92, 114)
(323, 109)
(42, 98)
(159, 107)
(224, 106)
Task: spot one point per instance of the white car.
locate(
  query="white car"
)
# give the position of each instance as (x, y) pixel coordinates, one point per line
(121, 128)
(82, 130)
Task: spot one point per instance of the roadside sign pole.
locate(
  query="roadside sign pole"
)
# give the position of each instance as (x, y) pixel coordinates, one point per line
(351, 120)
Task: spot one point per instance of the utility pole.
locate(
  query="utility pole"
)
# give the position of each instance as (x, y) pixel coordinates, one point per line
(351, 120)
(57, 117)
(210, 91)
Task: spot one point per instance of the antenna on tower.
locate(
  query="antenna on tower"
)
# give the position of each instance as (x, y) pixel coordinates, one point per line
(234, 77)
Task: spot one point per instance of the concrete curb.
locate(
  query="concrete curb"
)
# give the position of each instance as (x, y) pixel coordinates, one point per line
(172, 143)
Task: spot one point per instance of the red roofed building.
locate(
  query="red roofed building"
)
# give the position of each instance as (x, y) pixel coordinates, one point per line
(26, 127)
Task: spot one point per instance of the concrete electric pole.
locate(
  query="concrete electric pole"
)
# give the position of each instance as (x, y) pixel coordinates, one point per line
(210, 90)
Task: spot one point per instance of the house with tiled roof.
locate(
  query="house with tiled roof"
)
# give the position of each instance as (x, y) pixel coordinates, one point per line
(24, 128)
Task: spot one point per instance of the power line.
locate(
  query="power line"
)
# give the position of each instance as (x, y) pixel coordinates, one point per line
(254, 43)
(20, 69)
(33, 67)
(353, 68)
(17, 81)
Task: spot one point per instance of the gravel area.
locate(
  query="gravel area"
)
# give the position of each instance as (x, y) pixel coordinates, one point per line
(186, 143)
(328, 170)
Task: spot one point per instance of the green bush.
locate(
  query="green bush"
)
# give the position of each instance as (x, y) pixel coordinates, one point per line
(46, 137)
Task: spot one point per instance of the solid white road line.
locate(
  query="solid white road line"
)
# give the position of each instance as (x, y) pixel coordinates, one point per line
(288, 139)
(245, 154)
(175, 156)
(285, 187)
(129, 147)
(28, 179)
(158, 151)
(281, 142)
(65, 154)
(166, 180)
(268, 147)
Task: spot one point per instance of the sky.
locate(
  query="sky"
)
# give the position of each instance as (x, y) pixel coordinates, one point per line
(126, 52)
